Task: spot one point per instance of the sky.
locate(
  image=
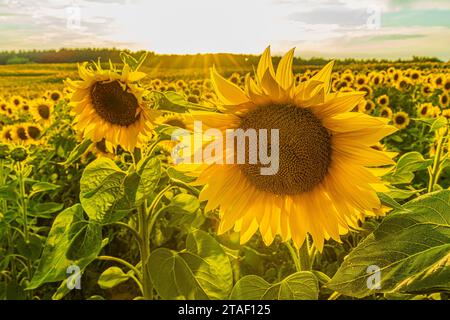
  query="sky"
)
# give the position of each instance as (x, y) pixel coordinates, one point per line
(317, 28)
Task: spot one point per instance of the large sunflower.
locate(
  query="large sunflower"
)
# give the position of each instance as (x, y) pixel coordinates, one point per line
(326, 182)
(109, 105)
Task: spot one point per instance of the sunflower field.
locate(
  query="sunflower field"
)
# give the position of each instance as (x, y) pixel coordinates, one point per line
(93, 204)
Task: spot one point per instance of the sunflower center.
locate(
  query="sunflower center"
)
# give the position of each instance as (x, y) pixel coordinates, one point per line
(34, 132)
(304, 149)
(55, 96)
(44, 111)
(114, 104)
(400, 120)
(21, 133)
(424, 110)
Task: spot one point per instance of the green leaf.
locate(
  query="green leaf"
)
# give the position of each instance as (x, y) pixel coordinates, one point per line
(411, 248)
(141, 183)
(134, 64)
(439, 123)
(401, 194)
(112, 277)
(30, 249)
(203, 271)
(85, 242)
(42, 187)
(183, 203)
(406, 166)
(54, 263)
(8, 192)
(46, 209)
(298, 286)
(77, 152)
(388, 201)
(178, 176)
(174, 102)
(102, 190)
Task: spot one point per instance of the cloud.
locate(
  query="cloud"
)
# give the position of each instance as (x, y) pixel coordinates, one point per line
(317, 27)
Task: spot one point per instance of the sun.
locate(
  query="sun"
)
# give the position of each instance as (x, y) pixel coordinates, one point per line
(326, 180)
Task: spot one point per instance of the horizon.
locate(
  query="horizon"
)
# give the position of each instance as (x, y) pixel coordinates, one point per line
(379, 29)
(274, 55)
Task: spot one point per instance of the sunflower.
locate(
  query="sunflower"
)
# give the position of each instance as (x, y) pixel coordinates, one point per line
(403, 84)
(383, 100)
(3, 106)
(366, 89)
(361, 80)
(377, 79)
(323, 146)
(415, 75)
(435, 112)
(425, 109)
(447, 84)
(6, 134)
(34, 131)
(55, 96)
(444, 100)
(386, 112)
(109, 105)
(438, 81)
(235, 78)
(427, 89)
(19, 134)
(366, 106)
(42, 111)
(446, 114)
(16, 101)
(348, 77)
(391, 70)
(401, 119)
(25, 106)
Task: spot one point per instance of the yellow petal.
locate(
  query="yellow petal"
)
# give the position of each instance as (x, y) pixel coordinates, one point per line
(228, 92)
(284, 75)
(324, 75)
(265, 63)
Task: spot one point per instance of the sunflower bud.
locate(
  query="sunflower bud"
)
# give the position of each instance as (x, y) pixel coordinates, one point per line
(19, 154)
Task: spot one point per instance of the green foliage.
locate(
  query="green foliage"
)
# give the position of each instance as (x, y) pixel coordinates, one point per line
(411, 247)
(202, 271)
(298, 286)
(55, 261)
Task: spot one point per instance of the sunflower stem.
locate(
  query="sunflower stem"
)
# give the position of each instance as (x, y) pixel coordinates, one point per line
(145, 252)
(294, 256)
(436, 169)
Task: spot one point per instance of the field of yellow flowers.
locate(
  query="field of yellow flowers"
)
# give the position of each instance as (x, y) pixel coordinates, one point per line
(92, 205)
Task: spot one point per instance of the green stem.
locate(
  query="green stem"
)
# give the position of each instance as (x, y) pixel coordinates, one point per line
(436, 169)
(23, 203)
(294, 256)
(26, 234)
(145, 251)
(4, 209)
